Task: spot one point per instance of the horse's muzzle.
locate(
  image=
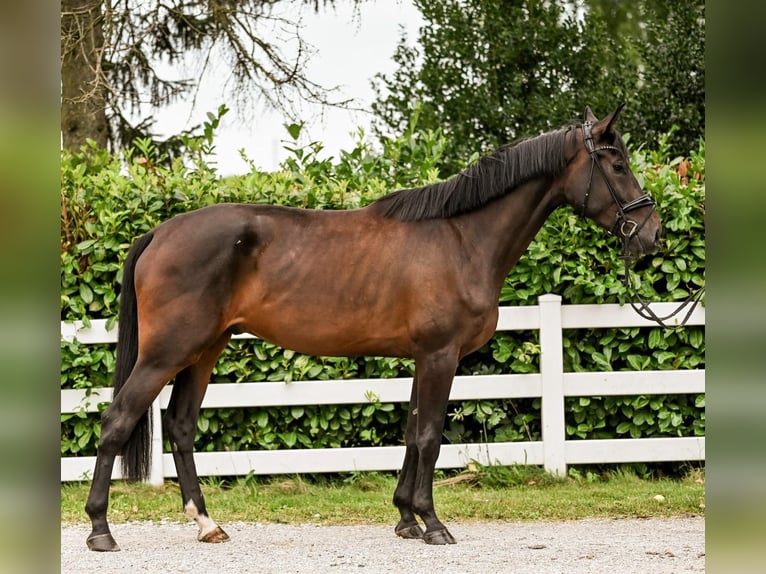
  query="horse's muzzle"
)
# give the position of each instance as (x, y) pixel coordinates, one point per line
(642, 241)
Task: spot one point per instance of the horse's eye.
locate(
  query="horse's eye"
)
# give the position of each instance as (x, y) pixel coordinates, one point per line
(618, 167)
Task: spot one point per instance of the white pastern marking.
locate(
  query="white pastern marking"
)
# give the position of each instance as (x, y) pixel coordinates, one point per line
(205, 523)
(190, 510)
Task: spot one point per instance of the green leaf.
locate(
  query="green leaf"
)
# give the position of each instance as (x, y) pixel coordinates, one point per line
(289, 438)
(696, 338)
(601, 360)
(640, 402)
(294, 130)
(635, 362)
(84, 439)
(663, 356)
(86, 294)
(85, 245)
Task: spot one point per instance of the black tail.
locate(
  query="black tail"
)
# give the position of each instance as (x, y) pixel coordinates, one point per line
(136, 454)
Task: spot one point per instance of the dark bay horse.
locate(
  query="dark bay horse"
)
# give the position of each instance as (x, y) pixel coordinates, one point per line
(416, 274)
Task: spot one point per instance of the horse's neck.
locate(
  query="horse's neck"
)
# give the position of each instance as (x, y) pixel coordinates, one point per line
(504, 228)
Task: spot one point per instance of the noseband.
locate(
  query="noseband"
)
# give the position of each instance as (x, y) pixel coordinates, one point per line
(628, 228)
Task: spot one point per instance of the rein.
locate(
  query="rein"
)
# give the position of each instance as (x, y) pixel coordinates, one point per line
(642, 307)
(628, 228)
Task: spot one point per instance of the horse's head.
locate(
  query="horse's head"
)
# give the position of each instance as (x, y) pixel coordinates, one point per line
(600, 185)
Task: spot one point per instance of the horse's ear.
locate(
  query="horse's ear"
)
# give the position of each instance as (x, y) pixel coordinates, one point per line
(589, 117)
(611, 119)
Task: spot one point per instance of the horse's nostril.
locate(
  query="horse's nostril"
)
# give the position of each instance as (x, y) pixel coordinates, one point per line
(657, 238)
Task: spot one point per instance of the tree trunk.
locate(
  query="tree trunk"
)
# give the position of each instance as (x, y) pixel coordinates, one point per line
(83, 105)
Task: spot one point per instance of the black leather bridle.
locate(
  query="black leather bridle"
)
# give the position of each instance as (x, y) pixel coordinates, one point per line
(625, 226)
(628, 228)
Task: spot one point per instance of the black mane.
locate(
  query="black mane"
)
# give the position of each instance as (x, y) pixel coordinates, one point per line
(489, 178)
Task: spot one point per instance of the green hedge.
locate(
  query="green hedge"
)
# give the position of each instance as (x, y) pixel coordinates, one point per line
(108, 200)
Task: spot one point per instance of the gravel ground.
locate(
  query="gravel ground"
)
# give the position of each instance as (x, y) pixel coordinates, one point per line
(594, 546)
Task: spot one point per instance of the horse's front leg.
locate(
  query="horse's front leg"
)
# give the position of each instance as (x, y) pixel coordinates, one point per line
(408, 526)
(435, 374)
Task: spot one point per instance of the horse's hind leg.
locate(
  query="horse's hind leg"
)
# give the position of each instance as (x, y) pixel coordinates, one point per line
(408, 526)
(117, 423)
(161, 355)
(181, 425)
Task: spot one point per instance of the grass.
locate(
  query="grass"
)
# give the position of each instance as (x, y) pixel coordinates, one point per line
(487, 493)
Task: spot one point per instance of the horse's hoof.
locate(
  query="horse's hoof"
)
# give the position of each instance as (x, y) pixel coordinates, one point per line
(214, 536)
(439, 537)
(102, 543)
(413, 532)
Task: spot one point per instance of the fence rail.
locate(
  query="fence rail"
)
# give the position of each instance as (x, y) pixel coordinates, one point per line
(554, 452)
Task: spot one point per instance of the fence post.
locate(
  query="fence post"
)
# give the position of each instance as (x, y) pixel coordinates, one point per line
(157, 473)
(552, 375)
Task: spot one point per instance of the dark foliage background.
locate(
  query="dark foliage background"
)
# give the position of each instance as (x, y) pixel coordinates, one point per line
(108, 200)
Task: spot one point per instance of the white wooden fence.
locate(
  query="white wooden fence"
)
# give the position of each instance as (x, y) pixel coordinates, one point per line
(554, 452)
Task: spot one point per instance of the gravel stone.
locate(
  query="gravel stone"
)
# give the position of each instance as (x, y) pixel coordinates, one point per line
(655, 546)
